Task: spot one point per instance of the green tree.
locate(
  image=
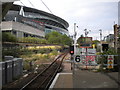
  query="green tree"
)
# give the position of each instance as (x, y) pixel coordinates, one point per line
(119, 44)
(80, 40)
(82, 35)
(95, 41)
(8, 37)
(66, 40)
(33, 40)
(57, 38)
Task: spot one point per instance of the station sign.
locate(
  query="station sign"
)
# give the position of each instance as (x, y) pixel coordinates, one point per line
(83, 59)
(85, 42)
(85, 51)
(77, 58)
(110, 64)
(85, 56)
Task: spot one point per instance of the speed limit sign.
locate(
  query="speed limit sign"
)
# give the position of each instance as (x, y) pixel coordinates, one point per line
(77, 58)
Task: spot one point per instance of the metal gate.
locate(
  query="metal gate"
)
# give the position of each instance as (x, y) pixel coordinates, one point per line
(96, 71)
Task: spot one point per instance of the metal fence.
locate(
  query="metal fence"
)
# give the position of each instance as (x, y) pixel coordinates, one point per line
(96, 71)
(101, 62)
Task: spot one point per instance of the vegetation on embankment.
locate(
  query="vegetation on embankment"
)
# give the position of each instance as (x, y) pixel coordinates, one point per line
(38, 50)
(50, 38)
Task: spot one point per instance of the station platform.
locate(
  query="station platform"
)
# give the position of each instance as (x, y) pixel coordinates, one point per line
(63, 79)
(85, 79)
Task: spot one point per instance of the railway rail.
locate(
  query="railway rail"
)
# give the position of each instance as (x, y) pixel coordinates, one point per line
(44, 79)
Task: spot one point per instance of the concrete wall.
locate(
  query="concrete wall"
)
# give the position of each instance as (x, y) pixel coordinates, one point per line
(10, 25)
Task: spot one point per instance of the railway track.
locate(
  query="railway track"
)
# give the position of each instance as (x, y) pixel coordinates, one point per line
(45, 78)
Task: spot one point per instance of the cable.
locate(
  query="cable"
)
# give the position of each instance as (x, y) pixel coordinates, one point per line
(46, 6)
(22, 3)
(31, 3)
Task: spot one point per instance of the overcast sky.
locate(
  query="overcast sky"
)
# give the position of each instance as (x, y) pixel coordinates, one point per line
(87, 14)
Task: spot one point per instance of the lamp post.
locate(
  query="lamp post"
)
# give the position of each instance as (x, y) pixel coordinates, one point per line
(100, 40)
(74, 37)
(86, 32)
(116, 37)
(75, 41)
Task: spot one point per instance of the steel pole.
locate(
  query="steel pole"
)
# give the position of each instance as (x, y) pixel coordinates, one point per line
(74, 47)
(100, 40)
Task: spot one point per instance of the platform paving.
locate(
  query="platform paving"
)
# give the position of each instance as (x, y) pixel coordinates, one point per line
(85, 80)
(63, 80)
(88, 79)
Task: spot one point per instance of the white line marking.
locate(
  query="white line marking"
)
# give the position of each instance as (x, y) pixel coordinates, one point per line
(54, 81)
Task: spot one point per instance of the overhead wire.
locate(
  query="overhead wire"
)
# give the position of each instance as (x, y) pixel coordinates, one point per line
(22, 3)
(31, 3)
(42, 2)
(34, 6)
(28, 1)
(46, 6)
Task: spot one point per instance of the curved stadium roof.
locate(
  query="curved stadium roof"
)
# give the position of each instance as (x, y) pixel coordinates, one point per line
(29, 9)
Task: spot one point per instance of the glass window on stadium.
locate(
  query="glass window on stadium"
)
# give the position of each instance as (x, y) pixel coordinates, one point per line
(14, 32)
(48, 31)
(26, 35)
(7, 31)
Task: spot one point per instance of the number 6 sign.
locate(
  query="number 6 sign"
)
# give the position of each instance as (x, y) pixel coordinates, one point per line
(77, 58)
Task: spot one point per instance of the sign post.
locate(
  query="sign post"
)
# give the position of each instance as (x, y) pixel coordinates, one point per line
(110, 62)
(75, 34)
(86, 59)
